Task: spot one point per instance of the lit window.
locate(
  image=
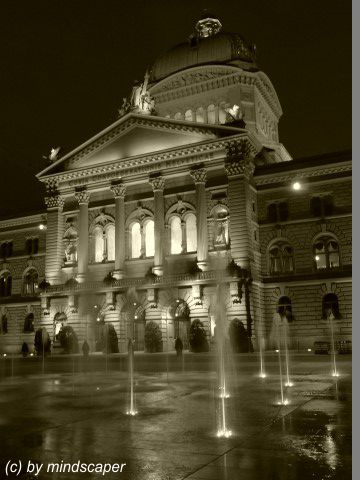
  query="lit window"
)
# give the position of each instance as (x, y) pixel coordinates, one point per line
(281, 258)
(200, 115)
(110, 241)
(326, 253)
(175, 235)
(149, 239)
(222, 113)
(211, 114)
(98, 244)
(188, 116)
(191, 234)
(31, 280)
(135, 240)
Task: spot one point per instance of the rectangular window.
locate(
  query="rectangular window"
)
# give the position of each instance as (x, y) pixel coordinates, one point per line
(321, 206)
(278, 212)
(35, 245)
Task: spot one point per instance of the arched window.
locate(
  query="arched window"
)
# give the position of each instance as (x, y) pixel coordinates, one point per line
(211, 114)
(98, 244)
(110, 242)
(326, 253)
(135, 240)
(149, 239)
(175, 235)
(29, 323)
(31, 280)
(222, 114)
(5, 284)
(178, 116)
(284, 308)
(221, 227)
(4, 324)
(281, 258)
(189, 116)
(200, 117)
(191, 235)
(330, 303)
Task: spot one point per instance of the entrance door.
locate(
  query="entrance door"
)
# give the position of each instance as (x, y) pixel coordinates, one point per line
(182, 328)
(139, 334)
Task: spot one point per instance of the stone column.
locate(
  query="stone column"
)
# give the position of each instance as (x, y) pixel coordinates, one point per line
(83, 197)
(199, 177)
(240, 168)
(158, 185)
(54, 239)
(119, 191)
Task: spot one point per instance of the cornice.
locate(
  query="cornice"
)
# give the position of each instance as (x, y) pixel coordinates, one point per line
(200, 79)
(146, 164)
(308, 172)
(21, 221)
(159, 124)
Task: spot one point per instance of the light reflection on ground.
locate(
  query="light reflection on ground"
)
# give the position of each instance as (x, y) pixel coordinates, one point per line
(58, 416)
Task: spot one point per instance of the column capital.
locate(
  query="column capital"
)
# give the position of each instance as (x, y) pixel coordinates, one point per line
(198, 175)
(238, 159)
(118, 189)
(236, 167)
(157, 183)
(54, 201)
(82, 196)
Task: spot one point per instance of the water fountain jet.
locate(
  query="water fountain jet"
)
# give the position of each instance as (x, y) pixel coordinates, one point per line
(132, 410)
(277, 321)
(223, 430)
(331, 318)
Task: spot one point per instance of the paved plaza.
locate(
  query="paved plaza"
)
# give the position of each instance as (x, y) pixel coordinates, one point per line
(79, 413)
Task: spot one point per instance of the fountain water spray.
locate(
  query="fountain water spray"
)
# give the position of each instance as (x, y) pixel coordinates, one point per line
(277, 322)
(131, 411)
(223, 430)
(331, 318)
(262, 373)
(287, 362)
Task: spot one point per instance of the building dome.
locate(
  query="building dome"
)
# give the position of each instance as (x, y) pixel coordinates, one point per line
(207, 45)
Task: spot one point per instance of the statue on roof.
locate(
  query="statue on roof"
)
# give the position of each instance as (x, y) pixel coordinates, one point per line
(140, 100)
(53, 155)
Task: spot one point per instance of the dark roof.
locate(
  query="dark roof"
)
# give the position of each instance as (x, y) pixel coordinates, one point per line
(304, 162)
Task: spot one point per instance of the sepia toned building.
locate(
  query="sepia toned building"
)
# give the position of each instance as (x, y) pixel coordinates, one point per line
(190, 189)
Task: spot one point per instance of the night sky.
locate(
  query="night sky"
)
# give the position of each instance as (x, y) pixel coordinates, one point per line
(66, 65)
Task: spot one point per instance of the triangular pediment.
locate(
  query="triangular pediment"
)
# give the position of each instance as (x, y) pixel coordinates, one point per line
(133, 136)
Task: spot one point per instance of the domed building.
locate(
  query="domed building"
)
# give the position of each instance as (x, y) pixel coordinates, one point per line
(188, 207)
(213, 78)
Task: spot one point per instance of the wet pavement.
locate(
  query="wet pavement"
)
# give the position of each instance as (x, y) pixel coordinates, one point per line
(68, 417)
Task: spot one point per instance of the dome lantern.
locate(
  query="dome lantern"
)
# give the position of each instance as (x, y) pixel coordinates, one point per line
(208, 26)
